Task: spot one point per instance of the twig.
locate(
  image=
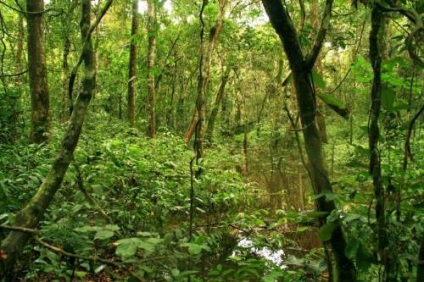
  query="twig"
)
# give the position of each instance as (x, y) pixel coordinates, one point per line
(407, 146)
(21, 229)
(92, 258)
(24, 12)
(13, 74)
(90, 200)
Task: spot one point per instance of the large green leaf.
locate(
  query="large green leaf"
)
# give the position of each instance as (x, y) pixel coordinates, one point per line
(335, 105)
(104, 234)
(318, 80)
(326, 231)
(127, 247)
(352, 248)
(388, 96)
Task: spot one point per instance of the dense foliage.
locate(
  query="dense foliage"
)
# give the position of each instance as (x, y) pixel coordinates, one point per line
(136, 208)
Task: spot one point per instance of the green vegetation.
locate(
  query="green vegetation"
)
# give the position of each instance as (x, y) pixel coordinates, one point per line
(204, 141)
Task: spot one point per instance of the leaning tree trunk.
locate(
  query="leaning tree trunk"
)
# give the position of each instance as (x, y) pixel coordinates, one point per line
(301, 67)
(214, 113)
(32, 213)
(40, 109)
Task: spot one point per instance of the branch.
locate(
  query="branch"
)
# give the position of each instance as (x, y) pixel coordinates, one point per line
(90, 200)
(13, 74)
(285, 29)
(24, 12)
(319, 40)
(92, 258)
(407, 146)
(415, 18)
(21, 229)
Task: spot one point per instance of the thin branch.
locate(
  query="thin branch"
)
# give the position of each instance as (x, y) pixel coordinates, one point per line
(407, 146)
(297, 137)
(92, 258)
(90, 200)
(21, 229)
(24, 12)
(415, 18)
(13, 74)
(319, 40)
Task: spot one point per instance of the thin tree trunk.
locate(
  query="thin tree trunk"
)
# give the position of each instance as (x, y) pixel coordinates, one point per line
(65, 74)
(376, 54)
(40, 115)
(301, 67)
(19, 51)
(132, 68)
(214, 113)
(420, 266)
(32, 213)
(205, 59)
(151, 29)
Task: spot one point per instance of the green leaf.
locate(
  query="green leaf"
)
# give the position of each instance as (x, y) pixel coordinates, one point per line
(318, 80)
(302, 228)
(127, 250)
(149, 248)
(175, 272)
(127, 247)
(352, 248)
(315, 214)
(194, 249)
(104, 234)
(335, 105)
(100, 268)
(388, 96)
(80, 274)
(326, 231)
(86, 229)
(364, 257)
(112, 227)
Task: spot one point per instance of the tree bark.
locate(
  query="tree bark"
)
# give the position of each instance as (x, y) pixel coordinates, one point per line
(151, 30)
(132, 68)
(19, 49)
(205, 59)
(32, 213)
(214, 113)
(40, 109)
(376, 54)
(301, 67)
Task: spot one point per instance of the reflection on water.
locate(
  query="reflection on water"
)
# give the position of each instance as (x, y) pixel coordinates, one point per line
(274, 256)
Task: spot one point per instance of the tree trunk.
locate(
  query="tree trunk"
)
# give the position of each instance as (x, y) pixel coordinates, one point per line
(151, 30)
(212, 118)
(40, 115)
(205, 59)
(19, 50)
(132, 68)
(376, 54)
(32, 213)
(301, 67)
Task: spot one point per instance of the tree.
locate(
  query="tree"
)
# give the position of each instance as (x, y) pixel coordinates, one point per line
(301, 68)
(32, 213)
(132, 68)
(151, 30)
(206, 52)
(40, 115)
